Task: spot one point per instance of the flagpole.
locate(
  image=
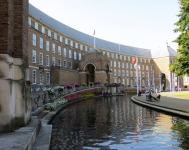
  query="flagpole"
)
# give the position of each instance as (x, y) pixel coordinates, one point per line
(178, 84)
(149, 78)
(153, 81)
(94, 38)
(172, 79)
(160, 82)
(137, 74)
(140, 79)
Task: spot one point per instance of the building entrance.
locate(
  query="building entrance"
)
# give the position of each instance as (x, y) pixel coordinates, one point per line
(90, 69)
(163, 77)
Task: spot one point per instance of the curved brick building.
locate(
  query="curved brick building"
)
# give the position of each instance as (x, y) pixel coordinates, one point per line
(60, 54)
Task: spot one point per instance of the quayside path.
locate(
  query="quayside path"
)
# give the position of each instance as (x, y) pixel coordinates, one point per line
(168, 103)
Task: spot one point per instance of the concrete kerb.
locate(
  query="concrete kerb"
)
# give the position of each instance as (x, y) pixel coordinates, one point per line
(166, 109)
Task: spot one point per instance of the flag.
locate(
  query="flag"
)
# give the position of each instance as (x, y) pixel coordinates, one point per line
(94, 32)
(139, 67)
(134, 60)
(148, 71)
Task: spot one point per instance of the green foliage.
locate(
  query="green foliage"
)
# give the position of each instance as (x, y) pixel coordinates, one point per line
(91, 83)
(50, 91)
(181, 66)
(84, 84)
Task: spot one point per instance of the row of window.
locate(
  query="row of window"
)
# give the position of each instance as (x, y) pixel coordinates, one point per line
(131, 73)
(127, 65)
(41, 77)
(131, 81)
(53, 60)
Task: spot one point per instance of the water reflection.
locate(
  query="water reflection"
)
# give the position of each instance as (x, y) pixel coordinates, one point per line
(117, 123)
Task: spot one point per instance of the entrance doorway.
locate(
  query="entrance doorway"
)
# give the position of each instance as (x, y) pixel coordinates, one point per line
(90, 69)
(163, 77)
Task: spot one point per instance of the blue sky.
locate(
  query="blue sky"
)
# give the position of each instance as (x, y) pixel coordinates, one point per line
(138, 23)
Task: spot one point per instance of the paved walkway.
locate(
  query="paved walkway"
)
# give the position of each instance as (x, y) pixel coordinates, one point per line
(167, 103)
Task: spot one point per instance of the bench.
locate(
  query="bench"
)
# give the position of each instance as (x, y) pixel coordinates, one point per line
(148, 98)
(152, 99)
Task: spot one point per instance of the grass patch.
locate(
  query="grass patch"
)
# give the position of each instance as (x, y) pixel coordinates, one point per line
(182, 94)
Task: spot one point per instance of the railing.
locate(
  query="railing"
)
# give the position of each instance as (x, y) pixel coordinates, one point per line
(40, 97)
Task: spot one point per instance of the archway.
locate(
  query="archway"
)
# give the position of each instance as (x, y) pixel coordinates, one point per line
(90, 69)
(163, 83)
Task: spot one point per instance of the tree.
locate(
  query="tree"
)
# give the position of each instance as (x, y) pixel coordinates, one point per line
(181, 65)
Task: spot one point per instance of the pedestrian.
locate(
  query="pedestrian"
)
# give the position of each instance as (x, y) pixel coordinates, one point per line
(156, 90)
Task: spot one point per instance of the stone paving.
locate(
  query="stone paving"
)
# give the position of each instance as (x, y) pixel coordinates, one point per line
(174, 104)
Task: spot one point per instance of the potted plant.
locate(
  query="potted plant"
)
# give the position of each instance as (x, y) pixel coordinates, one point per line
(68, 86)
(96, 83)
(76, 84)
(84, 84)
(91, 83)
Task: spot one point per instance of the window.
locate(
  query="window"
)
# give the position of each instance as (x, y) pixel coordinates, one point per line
(64, 52)
(127, 65)
(61, 39)
(111, 63)
(76, 45)
(86, 48)
(65, 63)
(114, 63)
(131, 73)
(123, 72)
(146, 74)
(55, 36)
(146, 67)
(36, 25)
(149, 61)
(116, 56)
(127, 73)
(142, 67)
(29, 21)
(120, 57)
(151, 68)
(41, 43)
(123, 81)
(104, 52)
(79, 56)
(66, 41)
(41, 77)
(48, 78)
(53, 61)
(59, 50)
(34, 39)
(131, 66)
(131, 82)
(123, 65)
(71, 43)
(53, 48)
(119, 72)
(115, 80)
(49, 33)
(34, 76)
(144, 60)
(129, 59)
(143, 75)
(112, 55)
(118, 64)
(143, 83)
(127, 81)
(43, 29)
(108, 54)
(59, 62)
(47, 45)
(81, 47)
(34, 56)
(70, 64)
(70, 54)
(124, 58)
(41, 58)
(140, 59)
(47, 60)
(115, 72)
(75, 55)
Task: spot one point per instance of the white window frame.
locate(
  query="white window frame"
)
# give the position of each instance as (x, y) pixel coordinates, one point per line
(41, 58)
(64, 52)
(115, 72)
(66, 41)
(146, 67)
(53, 48)
(141, 60)
(151, 68)
(149, 61)
(114, 63)
(34, 76)
(108, 54)
(131, 66)
(55, 36)
(47, 45)
(120, 57)
(124, 58)
(79, 56)
(75, 55)
(123, 65)
(41, 43)
(48, 78)
(71, 43)
(53, 61)
(70, 53)
(127, 73)
(81, 47)
(29, 21)
(129, 58)
(43, 30)
(116, 56)
(59, 62)
(111, 63)
(119, 66)
(49, 33)
(86, 48)
(144, 60)
(76, 45)
(119, 72)
(142, 67)
(34, 39)
(36, 25)
(127, 66)
(34, 56)
(59, 50)
(65, 63)
(123, 72)
(61, 38)
(112, 55)
(47, 60)
(41, 77)
(70, 65)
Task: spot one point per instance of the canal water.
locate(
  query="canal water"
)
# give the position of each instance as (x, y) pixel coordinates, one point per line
(117, 123)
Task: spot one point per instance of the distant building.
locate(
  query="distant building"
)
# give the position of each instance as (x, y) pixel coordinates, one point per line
(59, 54)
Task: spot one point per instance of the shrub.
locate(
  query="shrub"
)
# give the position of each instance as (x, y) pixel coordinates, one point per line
(84, 84)
(55, 104)
(59, 88)
(129, 85)
(50, 91)
(122, 84)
